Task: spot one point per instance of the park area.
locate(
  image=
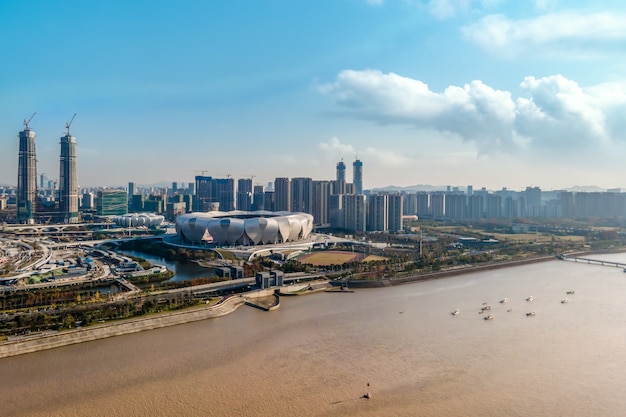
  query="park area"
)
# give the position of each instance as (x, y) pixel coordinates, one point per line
(336, 258)
(330, 258)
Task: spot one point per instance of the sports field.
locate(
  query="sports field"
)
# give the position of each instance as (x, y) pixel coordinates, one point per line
(330, 258)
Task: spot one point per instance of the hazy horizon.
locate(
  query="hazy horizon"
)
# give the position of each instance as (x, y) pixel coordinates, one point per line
(488, 93)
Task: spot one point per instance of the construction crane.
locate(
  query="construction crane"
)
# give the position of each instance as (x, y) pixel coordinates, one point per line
(27, 122)
(68, 124)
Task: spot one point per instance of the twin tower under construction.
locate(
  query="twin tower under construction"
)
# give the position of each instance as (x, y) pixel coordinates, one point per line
(65, 209)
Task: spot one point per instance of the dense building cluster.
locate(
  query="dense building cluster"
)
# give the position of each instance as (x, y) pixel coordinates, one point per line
(472, 204)
(334, 203)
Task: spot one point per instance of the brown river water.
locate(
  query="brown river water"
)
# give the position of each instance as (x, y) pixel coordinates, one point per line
(315, 355)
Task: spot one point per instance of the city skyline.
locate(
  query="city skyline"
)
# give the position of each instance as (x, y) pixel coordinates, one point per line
(442, 92)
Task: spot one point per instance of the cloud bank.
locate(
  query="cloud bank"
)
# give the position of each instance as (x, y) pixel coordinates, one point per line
(549, 114)
(572, 33)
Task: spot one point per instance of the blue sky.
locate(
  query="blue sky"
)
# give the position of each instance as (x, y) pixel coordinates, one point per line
(492, 93)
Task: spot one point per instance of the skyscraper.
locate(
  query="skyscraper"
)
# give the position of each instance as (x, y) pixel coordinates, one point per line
(302, 194)
(224, 193)
(341, 171)
(340, 181)
(357, 176)
(378, 213)
(131, 189)
(203, 194)
(354, 212)
(394, 222)
(282, 194)
(68, 183)
(26, 176)
(244, 194)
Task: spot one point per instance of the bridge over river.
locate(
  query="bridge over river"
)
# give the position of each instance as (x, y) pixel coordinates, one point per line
(593, 261)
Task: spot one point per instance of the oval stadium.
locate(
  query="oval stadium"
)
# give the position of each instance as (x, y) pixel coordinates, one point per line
(139, 219)
(243, 227)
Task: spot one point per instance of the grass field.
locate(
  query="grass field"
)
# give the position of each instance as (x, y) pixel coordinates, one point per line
(330, 258)
(531, 237)
(371, 258)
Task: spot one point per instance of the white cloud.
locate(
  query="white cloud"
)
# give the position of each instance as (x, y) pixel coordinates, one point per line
(387, 158)
(445, 9)
(570, 32)
(335, 149)
(552, 114)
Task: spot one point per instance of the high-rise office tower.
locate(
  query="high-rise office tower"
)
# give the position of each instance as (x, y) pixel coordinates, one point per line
(131, 192)
(378, 213)
(357, 176)
(321, 197)
(341, 171)
(340, 181)
(68, 183)
(26, 176)
(302, 194)
(395, 213)
(224, 193)
(244, 194)
(354, 212)
(282, 194)
(258, 198)
(204, 193)
(244, 185)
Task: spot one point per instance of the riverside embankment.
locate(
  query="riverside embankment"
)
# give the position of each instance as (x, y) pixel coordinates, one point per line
(392, 281)
(50, 341)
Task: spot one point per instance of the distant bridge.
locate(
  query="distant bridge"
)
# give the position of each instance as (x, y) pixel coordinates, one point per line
(594, 261)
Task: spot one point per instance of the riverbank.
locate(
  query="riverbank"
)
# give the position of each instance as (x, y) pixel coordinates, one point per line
(393, 281)
(49, 341)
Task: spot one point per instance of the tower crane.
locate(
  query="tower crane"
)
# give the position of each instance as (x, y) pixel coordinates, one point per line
(27, 122)
(68, 124)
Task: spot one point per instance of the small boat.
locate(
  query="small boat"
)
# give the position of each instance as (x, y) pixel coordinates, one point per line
(530, 298)
(571, 292)
(489, 317)
(532, 313)
(455, 312)
(564, 301)
(504, 301)
(486, 308)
